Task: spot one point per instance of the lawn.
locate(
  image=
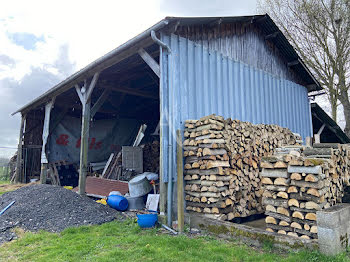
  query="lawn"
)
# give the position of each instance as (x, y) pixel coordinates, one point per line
(125, 241)
(3, 173)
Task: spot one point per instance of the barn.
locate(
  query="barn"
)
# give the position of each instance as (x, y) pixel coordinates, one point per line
(180, 68)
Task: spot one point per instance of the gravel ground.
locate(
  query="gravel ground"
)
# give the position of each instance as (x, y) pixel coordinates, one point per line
(51, 208)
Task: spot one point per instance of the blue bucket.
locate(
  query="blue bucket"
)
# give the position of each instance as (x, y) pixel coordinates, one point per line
(147, 220)
(118, 202)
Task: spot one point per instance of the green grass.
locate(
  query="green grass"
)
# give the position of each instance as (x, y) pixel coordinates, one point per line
(125, 241)
(3, 173)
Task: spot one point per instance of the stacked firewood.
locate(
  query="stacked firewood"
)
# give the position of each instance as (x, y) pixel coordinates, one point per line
(206, 167)
(222, 164)
(313, 182)
(275, 180)
(151, 153)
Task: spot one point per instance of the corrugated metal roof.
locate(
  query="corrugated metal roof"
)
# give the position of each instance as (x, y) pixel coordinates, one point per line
(165, 25)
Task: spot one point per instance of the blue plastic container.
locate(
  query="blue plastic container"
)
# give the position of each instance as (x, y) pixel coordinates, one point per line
(147, 220)
(118, 202)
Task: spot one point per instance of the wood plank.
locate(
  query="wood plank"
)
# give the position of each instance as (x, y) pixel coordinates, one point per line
(305, 169)
(180, 182)
(275, 202)
(18, 176)
(100, 101)
(318, 185)
(150, 61)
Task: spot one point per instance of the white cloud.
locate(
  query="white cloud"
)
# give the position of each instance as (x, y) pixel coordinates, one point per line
(73, 34)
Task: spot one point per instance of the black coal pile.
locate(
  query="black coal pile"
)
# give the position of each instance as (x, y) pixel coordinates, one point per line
(50, 208)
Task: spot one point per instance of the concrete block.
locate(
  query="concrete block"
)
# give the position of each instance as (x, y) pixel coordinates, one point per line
(328, 220)
(334, 229)
(329, 241)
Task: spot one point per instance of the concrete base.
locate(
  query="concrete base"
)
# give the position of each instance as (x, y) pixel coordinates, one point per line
(334, 229)
(247, 234)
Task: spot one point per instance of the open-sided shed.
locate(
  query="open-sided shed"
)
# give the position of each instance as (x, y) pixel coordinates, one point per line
(180, 68)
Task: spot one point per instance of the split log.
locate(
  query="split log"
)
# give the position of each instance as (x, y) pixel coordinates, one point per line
(292, 189)
(283, 211)
(281, 181)
(295, 225)
(298, 214)
(270, 220)
(293, 202)
(310, 216)
(295, 176)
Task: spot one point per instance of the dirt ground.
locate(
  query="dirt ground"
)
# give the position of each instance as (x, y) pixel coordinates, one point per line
(259, 223)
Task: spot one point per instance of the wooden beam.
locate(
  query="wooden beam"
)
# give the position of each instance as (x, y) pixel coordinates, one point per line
(80, 95)
(94, 67)
(150, 61)
(134, 92)
(100, 101)
(92, 85)
(45, 135)
(321, 129)
(180, 182)
(18, 176)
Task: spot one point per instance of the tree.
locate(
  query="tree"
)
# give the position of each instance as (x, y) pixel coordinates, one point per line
(320, 32)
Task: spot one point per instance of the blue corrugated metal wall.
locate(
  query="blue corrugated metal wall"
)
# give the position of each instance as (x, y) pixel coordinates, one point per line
(196, 82)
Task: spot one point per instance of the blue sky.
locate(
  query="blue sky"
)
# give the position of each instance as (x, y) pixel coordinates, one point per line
(27, 40)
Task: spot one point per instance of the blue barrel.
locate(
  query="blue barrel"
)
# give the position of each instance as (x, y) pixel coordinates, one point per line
(118, 202)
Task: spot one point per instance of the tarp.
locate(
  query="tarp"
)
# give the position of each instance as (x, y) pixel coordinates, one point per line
(106, 136)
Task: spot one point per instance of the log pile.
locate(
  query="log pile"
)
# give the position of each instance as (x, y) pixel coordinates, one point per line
(314, 180)
(275, 180)
(151, 153)
(222, 159)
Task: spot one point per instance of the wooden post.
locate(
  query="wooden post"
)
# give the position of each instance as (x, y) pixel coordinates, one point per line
(18, 176)
(84, 148)
(180, 182)
(85, 97)
(43, 173)
(45, 135)
(308, 141)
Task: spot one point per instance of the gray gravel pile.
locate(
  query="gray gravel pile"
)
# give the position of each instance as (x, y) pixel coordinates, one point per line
(51, 208)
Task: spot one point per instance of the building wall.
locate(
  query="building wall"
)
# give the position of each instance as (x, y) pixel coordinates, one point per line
(241, 42)
(196, 82)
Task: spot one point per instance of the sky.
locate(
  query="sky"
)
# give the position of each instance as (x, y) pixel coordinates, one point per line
(43, 42)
